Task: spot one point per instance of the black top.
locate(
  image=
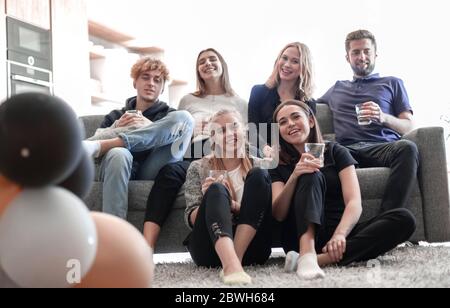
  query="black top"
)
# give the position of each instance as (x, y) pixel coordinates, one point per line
(261, 106)
(337, 158)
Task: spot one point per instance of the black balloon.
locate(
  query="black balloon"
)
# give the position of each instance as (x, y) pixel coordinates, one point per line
(80, 181)
(40, 139)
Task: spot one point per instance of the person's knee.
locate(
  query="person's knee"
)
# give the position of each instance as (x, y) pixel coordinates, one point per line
(119, 158)
(216, 192)
(406, 220)
(260, 175)
(311, 180)
(217, 189)
(173, 172)
(182, 116)
(407, 149)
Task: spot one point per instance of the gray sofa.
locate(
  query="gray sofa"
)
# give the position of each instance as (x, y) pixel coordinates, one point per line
(429, 201)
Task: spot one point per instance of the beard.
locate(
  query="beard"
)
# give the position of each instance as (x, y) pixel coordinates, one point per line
(363, 72)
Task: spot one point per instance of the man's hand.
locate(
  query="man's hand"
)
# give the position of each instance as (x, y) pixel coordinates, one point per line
(373, 111)
(133, 119)
(403, 123)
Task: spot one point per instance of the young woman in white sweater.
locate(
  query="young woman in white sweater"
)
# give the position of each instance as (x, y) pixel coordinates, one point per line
(214, 93)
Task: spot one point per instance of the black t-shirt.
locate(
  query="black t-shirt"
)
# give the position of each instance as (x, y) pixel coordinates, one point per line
(337, 158)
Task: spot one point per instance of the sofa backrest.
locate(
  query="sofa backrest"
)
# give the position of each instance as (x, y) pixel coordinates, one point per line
(91, 123)
(324, 117)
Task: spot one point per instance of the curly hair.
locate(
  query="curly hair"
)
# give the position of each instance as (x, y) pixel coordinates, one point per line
(149, 64)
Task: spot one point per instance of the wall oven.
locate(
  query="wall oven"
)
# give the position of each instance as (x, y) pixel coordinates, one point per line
(25, 78)
(29, 58)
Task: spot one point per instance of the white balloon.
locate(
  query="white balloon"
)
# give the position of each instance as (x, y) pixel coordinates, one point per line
(47, 238)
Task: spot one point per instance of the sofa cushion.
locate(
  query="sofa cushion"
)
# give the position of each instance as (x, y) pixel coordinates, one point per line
(138, 192)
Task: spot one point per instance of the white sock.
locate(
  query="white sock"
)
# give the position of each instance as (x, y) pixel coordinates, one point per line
(92, 148)
(290, 263)
(308, 268)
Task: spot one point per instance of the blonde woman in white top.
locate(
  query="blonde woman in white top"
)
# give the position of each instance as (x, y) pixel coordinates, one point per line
(229, 214)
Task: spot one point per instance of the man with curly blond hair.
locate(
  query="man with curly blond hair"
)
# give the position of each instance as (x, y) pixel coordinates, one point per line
(150, 135)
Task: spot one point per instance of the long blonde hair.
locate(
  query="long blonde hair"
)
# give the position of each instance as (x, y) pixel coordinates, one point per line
(216, 163)
(224, 79)
(305, 82)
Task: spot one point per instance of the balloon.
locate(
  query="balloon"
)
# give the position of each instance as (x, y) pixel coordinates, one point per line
(47, 238)
(80, 181)
(40, 140)
(8, 191)
(124, 259)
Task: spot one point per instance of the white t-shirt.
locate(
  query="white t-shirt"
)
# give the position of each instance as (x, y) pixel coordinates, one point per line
(202, 109)
(238, 183)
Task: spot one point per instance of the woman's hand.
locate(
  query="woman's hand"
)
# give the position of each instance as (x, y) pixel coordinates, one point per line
(308, 164)
(336, 247)
(268, 152)
(206, 184)
(210, 180)
(235, 207)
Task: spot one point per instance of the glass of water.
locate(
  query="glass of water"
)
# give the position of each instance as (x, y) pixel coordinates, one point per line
(362, 120)
(317, 150)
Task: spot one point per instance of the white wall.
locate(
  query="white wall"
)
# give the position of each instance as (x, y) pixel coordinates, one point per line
(71, 53)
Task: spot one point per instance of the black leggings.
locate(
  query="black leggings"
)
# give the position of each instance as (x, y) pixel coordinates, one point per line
(168, 183)
(165, 190)
(367, 240)
(214, 220)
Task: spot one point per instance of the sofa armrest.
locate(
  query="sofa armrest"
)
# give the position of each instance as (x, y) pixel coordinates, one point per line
(433, 182)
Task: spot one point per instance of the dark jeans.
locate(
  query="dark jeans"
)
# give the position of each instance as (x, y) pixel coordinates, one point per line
(366, 241)
(214, 220)
(402, 157)
(167, 184)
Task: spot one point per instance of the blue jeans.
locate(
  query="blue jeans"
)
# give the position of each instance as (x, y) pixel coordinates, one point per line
(168, 140)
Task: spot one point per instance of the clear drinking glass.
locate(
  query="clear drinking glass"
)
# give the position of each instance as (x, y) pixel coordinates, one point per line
(362, 120)
(317, 150)
(216, 174)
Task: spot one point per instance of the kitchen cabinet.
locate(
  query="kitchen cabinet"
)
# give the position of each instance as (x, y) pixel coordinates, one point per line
(36, 12)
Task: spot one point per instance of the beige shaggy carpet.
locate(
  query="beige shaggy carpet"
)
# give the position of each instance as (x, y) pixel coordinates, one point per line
(418, 266)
